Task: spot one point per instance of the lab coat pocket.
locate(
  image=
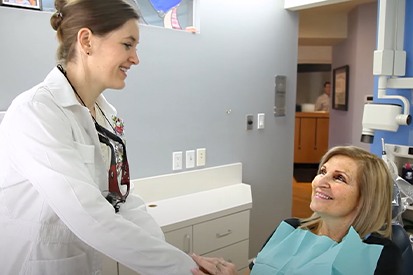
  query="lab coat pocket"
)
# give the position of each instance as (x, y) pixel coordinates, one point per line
(68, 266)
(87, 153)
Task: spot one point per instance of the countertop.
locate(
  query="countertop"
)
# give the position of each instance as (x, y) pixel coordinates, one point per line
(180, 211)
(182, 199)
(318, 114)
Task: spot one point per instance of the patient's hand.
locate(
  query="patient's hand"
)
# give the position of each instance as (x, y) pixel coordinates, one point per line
(213, 266)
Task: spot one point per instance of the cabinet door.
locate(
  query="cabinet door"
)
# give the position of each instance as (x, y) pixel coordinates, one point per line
(306, 141)
(123, 270)
(321, 137)
(181, 238)
(297, 135)
(236, 254)
(109, 266)
(212, 235)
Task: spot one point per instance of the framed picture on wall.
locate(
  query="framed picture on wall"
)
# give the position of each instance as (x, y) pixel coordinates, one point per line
(30, 4)
(340, 88)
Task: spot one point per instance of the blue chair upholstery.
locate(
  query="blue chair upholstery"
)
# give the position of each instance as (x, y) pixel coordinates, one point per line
(402, 240)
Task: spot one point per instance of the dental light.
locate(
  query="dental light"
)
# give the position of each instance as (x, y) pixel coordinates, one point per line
(389, 64)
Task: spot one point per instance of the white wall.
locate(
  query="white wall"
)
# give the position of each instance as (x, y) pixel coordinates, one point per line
(357, 52)
(180, 95)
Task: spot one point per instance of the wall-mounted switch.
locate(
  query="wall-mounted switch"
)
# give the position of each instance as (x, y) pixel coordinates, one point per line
(190, 158)
(250, 122)
(176, 160)
(261, 121)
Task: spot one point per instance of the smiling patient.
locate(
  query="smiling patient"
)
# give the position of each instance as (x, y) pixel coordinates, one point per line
(349, 232)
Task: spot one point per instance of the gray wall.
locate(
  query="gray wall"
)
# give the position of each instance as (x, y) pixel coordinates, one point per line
(357, 52)
(178, 97)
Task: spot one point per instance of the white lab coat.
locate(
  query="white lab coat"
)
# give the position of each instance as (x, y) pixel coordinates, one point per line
(53, 217)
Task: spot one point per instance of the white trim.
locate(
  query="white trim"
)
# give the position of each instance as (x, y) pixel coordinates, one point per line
(178, 184)
(296, 5)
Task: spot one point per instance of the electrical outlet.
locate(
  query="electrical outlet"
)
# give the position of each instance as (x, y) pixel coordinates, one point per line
(177, 160)
(200, 157)
(190, 159)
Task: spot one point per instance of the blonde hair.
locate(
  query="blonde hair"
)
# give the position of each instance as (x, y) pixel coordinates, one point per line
(376, 188)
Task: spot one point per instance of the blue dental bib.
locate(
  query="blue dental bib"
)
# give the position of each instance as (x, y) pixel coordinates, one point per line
(294, 251)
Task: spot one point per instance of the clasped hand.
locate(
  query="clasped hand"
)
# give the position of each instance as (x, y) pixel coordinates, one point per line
(213, 266)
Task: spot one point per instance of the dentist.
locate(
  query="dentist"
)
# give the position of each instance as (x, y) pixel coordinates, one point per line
(64, 177)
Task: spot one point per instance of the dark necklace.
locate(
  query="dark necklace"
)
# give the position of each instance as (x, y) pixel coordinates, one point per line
(114, 196)
(60, 67)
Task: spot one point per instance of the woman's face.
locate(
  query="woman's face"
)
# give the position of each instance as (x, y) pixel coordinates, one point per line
(113, 55)
(335, 190)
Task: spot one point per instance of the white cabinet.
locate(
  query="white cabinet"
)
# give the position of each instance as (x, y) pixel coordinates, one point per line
(109, 266)
(123, 270)
(221, 232)
(236, 253)
(224, 237)
(181, 238)
(204, 220)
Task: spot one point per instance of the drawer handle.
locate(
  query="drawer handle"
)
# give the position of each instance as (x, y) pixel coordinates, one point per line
(187, 243)
(220, 235)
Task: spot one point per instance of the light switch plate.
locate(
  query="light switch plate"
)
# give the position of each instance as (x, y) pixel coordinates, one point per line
(261, 121)
(190, 159)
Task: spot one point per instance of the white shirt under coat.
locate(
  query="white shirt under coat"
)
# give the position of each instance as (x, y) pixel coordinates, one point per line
(53, 217)
(322, 103)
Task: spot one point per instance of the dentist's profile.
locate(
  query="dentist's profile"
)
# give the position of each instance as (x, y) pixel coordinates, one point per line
(65, 189)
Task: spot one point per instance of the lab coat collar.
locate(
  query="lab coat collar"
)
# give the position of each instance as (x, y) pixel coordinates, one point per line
(60, 88)
(64, 95)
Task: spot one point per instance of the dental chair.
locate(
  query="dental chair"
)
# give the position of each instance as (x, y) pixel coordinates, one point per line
(399, 234)
(402, 240)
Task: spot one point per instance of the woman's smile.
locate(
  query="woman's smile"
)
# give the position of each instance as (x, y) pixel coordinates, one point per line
(323, 196)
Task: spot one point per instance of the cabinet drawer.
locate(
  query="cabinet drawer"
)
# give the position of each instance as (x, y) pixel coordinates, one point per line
(181, 238)
(236, 254)
(214, 234)
(123, 270)
(109, 266)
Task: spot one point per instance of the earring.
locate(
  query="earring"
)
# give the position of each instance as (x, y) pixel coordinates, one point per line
(88, 53)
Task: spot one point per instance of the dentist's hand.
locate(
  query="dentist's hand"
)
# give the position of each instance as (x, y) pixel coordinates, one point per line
(213, 266)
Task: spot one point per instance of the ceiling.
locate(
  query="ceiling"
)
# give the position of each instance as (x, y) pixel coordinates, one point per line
(330, 12)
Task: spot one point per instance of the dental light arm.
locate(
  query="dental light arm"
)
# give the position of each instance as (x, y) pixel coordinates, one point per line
(389, 64)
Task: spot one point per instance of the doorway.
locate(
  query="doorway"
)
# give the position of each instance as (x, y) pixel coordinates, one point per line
(311, 134)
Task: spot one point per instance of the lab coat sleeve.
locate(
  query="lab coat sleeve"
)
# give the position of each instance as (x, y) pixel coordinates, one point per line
(44, 152)
(130, 211)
